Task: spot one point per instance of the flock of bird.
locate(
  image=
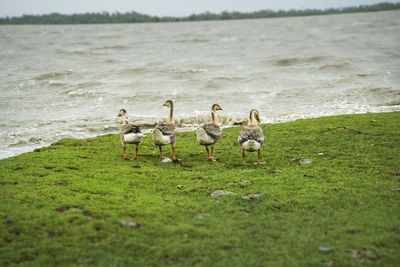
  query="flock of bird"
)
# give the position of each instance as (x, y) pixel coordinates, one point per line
(251, 137)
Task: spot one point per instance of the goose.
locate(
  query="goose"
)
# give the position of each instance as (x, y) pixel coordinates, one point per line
(165, 132)
(209, 133)
(129, 133)
(251, 137)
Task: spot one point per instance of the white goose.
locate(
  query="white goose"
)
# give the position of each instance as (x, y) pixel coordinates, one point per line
(129, 133)
(165, 132)
(209, 133)
(251, 137)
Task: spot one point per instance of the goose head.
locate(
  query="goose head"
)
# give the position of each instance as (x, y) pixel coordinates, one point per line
(169, 104)
(215, 107)
(122, 113)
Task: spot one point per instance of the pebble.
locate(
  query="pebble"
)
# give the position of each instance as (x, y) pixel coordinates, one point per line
(129, 224)
(219, 193)
(301, 160)
(325, 249)
(203, 215)
(251, 196)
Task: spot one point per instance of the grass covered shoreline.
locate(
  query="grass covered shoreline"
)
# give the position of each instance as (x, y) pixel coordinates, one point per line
(77, 202)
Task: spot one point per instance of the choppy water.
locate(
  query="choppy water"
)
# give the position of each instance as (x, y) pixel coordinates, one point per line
(71, 80)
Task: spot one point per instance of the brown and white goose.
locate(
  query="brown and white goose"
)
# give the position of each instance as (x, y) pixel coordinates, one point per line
(165, 132)
(209, 133)
(251, 137)
(129, 133)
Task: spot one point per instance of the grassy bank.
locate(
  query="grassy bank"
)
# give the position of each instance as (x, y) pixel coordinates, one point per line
(77, 202)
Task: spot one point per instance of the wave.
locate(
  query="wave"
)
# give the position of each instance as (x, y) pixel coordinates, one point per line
(159, 69)
(53, 75)
(335, 66)
(87, 84)
(81, 92)
(112, 60)
(290, 61)
(193, 40)
(134, 70)
(58, 83)
(389, 104)
(113, 47)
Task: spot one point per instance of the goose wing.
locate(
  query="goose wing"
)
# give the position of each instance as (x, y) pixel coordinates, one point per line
(251, 132)
(130, 128)
(166, 128)
(212, 130)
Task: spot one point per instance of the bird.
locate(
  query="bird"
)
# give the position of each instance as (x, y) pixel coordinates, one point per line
(129, 133)
(251, 137)
(165, 132)
(209, 133)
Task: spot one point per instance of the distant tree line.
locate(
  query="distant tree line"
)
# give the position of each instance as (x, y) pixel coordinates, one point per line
(134, 17)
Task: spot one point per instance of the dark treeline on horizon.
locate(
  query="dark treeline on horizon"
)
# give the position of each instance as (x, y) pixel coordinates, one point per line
(134, 17)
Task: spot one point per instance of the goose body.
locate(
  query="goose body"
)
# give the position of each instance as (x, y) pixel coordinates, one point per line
(165, 132)
(133, 138)
(203, 138)
(251, 137)
(129, 133)
(209, 133)
(251, 145)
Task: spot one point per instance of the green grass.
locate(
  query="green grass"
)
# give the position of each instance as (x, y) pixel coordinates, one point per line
(62, 204)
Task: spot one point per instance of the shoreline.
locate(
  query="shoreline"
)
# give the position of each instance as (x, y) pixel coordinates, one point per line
(147, 130)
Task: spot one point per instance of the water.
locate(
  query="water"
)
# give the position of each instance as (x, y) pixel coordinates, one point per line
(61, 81)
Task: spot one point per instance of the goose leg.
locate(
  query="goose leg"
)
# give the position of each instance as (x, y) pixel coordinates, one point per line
(210, 157)
(212, 151)
(173, 152)
(259, 158)
(125, 157)
(208, 153)
(243, 156)
(137, 150)
(161, 155)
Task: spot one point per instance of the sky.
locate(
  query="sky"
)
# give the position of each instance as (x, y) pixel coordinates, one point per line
(177, 8)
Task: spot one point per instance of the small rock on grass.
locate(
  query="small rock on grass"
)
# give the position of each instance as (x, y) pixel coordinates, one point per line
(166, 160)
(301, 160)
(129, 224)
(325, 249)
(219, 193)
(202, 215)
(251, 196)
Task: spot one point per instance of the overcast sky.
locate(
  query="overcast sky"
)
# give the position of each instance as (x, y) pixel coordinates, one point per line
(166, 7)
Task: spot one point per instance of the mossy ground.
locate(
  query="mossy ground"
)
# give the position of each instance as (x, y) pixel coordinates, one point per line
(62, 204)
